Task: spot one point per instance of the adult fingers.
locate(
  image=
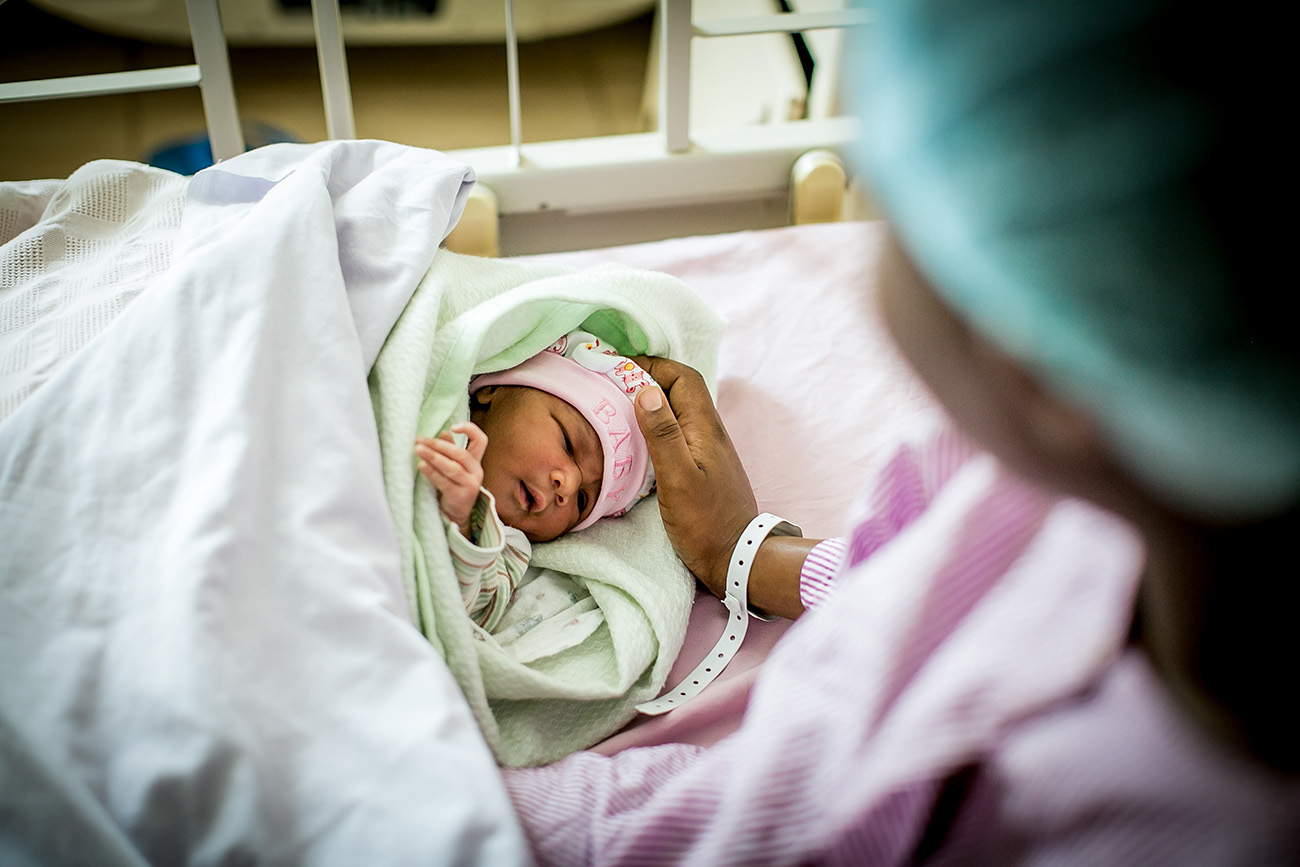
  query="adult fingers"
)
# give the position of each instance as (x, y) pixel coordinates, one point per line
(691, 403)
(679, 381)
(705, 497)
(669, 452)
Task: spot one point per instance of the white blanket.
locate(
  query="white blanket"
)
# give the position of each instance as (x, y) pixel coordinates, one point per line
(208, 654)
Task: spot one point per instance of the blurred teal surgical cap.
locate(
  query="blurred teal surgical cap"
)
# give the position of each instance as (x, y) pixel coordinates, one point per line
(1086, 184)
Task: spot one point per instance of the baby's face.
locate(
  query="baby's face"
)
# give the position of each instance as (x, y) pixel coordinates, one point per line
(543, 464)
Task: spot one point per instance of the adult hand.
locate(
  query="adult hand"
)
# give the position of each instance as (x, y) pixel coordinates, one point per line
(704, 494)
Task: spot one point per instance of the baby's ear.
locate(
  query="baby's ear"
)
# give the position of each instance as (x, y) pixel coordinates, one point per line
(483, 396)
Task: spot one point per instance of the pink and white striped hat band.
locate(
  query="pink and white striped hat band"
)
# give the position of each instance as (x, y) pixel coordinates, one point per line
(601, 384)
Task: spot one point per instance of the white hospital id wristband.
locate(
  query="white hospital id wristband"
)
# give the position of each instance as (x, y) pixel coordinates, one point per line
(736, 599)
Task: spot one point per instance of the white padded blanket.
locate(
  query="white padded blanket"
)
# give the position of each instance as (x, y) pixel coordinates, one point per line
(208, 656)
(103, 235)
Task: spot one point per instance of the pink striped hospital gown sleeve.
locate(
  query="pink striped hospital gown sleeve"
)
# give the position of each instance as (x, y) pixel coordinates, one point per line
(960, 689)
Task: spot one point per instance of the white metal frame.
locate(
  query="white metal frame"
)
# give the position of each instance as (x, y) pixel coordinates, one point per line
(210, 73)
(333, 60)
(673, 166)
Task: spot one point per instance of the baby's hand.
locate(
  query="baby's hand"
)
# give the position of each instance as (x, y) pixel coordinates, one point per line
(456, 472)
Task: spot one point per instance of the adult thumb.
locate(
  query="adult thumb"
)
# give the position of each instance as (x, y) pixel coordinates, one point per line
(663, 435)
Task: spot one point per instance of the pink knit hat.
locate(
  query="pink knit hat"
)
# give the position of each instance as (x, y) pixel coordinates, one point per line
(601, 384)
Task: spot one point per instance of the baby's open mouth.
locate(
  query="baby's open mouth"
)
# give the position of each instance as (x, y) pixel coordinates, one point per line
(526, 499)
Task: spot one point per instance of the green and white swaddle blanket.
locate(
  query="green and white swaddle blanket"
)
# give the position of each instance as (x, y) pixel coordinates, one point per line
(536, 695)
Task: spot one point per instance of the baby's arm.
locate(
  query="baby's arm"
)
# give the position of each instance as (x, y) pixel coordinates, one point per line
(489, 569)
(456, 473)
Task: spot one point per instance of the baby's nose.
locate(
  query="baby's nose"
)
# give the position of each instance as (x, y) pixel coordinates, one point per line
(565, 480)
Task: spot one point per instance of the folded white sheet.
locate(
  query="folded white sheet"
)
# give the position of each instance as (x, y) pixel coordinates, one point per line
(208, 652)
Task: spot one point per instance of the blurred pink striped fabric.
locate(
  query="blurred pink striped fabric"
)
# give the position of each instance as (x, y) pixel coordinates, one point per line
(960, 691)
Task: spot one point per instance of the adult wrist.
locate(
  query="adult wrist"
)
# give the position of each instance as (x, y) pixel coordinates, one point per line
(735, 599)
(721, 564)
(755, 546)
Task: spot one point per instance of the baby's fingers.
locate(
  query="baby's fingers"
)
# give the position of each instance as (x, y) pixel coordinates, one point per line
(428, 458)
(475, 440)
(444, 445)
(450, 462)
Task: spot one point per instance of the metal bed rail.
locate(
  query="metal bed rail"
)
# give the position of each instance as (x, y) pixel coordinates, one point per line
(210, 72)
(673, 166)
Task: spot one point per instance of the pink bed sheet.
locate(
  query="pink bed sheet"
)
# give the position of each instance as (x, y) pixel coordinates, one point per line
(810, 387)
